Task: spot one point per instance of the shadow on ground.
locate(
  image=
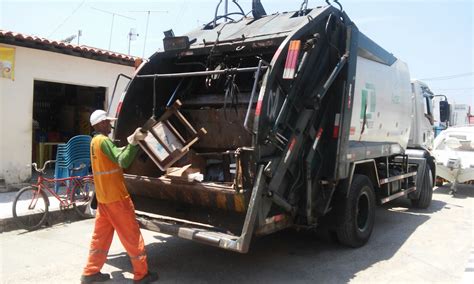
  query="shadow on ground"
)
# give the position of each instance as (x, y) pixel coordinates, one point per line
(283, 257)
(463, 190)
(54, 218)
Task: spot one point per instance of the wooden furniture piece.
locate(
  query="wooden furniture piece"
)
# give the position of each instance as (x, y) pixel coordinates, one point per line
(165, 144)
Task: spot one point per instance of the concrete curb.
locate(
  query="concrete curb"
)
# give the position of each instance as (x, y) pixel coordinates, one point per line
(12, 187)
(54, 217)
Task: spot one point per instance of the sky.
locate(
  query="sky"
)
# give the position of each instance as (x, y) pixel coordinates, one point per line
(434, 37)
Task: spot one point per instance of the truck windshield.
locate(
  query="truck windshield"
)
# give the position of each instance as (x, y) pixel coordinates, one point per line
(427, 105)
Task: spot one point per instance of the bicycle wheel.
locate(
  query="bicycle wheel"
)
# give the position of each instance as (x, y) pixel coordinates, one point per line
(30, 208)
(82, 198)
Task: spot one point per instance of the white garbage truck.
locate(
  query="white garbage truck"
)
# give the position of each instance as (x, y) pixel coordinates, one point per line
(257, 123)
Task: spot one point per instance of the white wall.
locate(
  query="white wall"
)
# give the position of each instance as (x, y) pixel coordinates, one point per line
(2, 121)
(16, 100)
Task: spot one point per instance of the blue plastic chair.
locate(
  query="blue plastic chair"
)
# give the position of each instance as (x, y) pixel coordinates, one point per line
(71, 155)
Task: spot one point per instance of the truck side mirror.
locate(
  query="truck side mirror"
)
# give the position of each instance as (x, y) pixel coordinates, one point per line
(444, 111)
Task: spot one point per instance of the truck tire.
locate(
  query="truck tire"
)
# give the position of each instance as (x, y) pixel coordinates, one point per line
(426, 191)
(356, 213)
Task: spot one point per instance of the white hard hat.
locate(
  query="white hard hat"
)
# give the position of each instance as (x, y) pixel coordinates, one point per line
(99, 116)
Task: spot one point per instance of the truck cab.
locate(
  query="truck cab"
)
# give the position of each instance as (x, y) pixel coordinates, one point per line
(430, 113)
(422, 131)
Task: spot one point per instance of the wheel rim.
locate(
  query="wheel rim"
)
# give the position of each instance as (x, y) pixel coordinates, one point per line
(363, 212)
(30, 208)
(83, 196)
(82, 199)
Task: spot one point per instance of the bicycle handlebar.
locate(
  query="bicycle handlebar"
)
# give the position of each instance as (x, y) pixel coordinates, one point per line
(41, 170)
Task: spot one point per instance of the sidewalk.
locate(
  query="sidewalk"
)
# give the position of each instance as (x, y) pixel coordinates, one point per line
(55, 215)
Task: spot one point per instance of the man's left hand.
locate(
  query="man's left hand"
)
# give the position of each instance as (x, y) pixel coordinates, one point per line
(138, 135)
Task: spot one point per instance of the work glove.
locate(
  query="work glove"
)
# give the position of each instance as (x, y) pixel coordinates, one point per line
(138, 135)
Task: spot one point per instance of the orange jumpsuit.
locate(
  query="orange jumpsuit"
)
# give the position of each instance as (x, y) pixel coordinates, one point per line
(115, 210)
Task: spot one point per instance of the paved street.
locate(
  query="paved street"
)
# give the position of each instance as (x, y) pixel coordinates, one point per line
(407, 246)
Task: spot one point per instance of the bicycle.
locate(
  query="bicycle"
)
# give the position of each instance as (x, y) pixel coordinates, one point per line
(31, 204)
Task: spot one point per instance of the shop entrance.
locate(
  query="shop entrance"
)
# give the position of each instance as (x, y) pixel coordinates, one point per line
(61, 111)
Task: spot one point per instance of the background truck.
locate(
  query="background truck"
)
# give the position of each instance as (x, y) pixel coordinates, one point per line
(459, 115)
(261, 123)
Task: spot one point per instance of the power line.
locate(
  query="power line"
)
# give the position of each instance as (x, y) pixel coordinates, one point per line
(112, 25)
(147, 21)
(455, 89)
(67, 18)
(448, 77)
(180, 13)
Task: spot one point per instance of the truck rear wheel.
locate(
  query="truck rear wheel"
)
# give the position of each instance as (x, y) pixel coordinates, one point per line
(426, 191)
(357, 213)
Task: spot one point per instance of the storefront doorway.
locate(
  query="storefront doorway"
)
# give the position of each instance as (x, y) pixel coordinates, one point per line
(61, 111)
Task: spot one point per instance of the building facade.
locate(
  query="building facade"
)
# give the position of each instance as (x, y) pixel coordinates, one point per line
(47, 90)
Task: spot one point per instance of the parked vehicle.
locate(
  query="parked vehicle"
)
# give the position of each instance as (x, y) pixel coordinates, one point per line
(267, 122)
(454, 153)
(459, 115)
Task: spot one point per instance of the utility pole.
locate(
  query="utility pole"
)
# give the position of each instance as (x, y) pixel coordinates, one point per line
(226, 9)
(147, 22)
(112, 25)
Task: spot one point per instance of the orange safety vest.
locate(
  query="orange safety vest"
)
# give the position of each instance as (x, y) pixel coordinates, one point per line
(108, 175)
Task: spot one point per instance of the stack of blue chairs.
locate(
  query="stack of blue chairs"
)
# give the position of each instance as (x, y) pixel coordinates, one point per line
(71, 155)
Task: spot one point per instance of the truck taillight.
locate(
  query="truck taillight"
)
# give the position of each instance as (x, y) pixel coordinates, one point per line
(292, 59)
(335, 133)
(119, 108)
(258, 108)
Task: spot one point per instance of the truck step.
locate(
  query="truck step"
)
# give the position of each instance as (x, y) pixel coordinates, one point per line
(397, 195)
(395, 178)
(189, 230)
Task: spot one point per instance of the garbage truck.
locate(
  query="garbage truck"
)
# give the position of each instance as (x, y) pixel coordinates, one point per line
(257, 123)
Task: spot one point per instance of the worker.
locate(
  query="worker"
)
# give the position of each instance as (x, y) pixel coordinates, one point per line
(115, 210)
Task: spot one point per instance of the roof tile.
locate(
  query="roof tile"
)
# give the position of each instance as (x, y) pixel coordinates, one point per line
(62, 45)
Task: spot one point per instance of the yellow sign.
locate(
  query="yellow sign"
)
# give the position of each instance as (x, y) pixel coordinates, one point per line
(7, 62)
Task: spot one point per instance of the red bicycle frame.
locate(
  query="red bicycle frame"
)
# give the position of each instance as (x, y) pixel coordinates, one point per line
(43, 184)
